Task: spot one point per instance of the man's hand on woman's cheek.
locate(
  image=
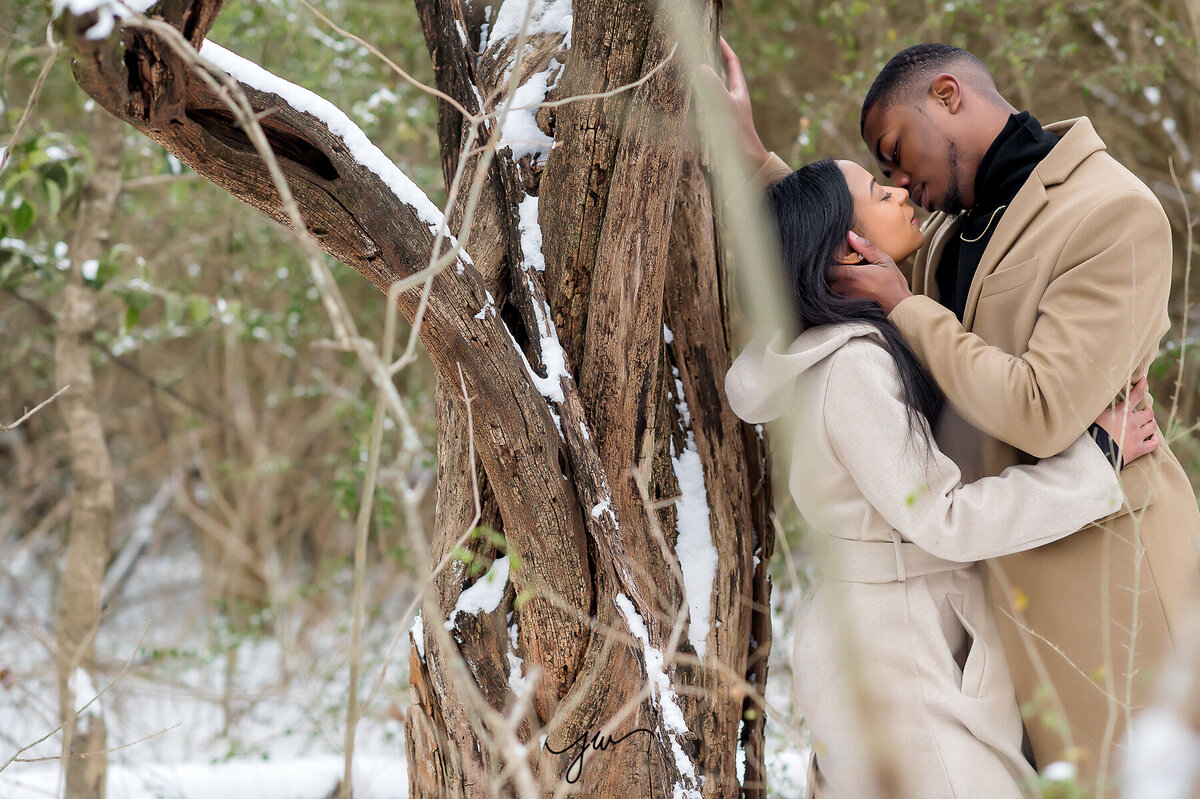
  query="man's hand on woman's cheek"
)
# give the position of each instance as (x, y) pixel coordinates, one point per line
(877, 278)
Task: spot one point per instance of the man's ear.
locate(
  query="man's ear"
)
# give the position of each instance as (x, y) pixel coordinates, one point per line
(945, 90)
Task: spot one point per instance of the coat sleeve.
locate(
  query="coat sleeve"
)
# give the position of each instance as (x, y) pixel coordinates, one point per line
(1098, 319)
(918, 489)
(773, 170)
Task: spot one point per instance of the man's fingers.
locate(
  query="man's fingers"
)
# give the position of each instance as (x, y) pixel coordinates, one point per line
(845, 274)
(862, 245)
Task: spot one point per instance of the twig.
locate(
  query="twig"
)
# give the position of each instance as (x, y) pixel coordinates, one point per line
(4, 428)
(158, 180)
(86, 705)
(102, 751)
(1187, 275)
(392, 64)
(33, 98)
(1025, 628)
(360, 568)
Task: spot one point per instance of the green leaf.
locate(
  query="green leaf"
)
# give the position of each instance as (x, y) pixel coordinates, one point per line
(23, 217)
(132, 315)
(198, 309)
(106, 272)
(174, 309)
(54, 198)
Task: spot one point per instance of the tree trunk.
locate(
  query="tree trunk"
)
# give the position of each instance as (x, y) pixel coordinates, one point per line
(90, 525)
(622, 613)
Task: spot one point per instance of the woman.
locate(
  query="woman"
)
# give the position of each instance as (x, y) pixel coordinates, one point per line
(898, 665)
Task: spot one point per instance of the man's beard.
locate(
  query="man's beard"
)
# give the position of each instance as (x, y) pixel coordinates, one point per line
(952, 202)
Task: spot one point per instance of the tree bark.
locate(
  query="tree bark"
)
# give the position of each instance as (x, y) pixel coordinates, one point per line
(586, 338)
(92, 497)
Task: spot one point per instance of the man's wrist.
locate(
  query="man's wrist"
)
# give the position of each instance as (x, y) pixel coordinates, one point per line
(889, 303)
(899, 308)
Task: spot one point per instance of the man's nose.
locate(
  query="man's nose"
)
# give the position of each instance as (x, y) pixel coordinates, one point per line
(900, 179)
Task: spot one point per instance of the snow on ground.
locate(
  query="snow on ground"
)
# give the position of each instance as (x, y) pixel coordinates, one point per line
(226, 714)
(315, 777)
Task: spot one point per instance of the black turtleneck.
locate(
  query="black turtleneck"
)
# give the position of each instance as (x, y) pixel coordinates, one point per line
(1008, 163)
(1005, 167)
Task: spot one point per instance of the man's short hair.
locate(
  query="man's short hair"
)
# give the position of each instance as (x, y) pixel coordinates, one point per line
(910, 71)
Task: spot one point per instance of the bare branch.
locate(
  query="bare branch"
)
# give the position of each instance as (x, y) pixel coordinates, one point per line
(13, 425)
(33, 98)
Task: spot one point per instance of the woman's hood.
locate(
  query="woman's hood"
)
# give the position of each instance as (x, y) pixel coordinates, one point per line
(760, 383)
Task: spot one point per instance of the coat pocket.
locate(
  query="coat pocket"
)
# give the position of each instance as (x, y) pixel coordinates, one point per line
(1008, 277)
(972, 657)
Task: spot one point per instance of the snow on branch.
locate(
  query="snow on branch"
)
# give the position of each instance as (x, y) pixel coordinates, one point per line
(484, 595)
(519, 131)
(554, 16)
(361, 149)
(107, 11)
(664, 695)
(694, 544)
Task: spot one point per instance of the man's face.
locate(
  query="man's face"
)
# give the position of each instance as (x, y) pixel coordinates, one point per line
(916, 149)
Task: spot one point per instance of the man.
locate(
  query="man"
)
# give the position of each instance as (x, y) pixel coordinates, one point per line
(1040, 295)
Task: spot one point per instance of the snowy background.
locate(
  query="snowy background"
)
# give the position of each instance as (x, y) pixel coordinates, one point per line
(210, 714)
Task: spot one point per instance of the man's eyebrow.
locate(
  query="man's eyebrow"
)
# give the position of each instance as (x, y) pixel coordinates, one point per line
(878, 151)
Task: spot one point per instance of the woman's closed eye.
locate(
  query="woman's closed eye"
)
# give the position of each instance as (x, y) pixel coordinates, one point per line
(887, 195)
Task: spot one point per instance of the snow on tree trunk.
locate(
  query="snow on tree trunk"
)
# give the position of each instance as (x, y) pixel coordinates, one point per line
(92, 496)
(621, 613)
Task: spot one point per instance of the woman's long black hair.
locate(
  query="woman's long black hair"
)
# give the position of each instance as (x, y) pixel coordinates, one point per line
(813, 211)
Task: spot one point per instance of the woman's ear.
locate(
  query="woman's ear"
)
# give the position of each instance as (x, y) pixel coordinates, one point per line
(850, 257)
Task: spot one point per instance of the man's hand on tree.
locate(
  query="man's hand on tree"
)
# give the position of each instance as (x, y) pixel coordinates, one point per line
(736, 100)
(877, 278)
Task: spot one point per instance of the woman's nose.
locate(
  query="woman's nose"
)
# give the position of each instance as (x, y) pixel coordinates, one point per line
(902, 194)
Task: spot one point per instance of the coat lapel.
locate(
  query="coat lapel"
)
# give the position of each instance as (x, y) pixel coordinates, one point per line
(1078, 141)
(1020, 212)
(937, 233)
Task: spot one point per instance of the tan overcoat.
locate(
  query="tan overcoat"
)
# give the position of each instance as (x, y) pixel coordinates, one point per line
(1066, 309)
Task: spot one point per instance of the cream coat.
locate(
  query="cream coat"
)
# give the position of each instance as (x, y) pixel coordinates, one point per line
(904, 613)
(1067, 306)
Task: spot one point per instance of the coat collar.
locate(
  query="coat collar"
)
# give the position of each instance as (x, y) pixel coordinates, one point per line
(1078, 141)
(941, 229)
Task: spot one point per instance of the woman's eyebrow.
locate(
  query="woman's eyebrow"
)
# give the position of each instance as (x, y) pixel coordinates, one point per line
(871, 187)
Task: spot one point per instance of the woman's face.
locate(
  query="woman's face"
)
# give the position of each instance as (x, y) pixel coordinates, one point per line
(882, 213)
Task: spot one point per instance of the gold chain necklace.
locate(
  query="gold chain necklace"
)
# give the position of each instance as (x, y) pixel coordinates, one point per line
(985, 229)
